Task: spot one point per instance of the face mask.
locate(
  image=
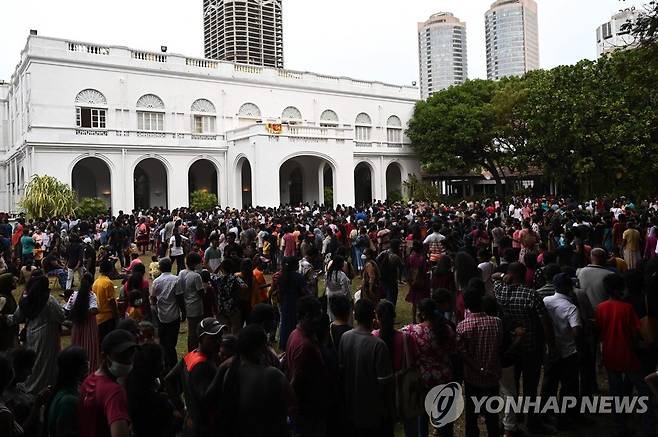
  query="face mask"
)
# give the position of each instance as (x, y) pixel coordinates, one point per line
(363, 257)
(119, 370)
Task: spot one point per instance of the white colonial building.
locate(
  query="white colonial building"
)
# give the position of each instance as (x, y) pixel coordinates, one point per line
(143, 129)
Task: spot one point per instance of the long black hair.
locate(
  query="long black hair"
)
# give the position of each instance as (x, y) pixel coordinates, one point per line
(252, 340)
(385, 312)
(37, 295)
(80, 309)
(429, 312)
(335, 267)
(247, 270)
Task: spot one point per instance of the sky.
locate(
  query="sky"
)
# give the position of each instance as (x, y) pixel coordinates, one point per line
(364, 39)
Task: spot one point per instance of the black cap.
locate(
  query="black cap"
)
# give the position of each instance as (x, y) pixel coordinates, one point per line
(118, 341)
(210, 326)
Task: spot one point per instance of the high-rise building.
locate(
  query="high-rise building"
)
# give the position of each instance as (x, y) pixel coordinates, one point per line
(613, 35)
(244, 31)
(512, 35)
(442, 53)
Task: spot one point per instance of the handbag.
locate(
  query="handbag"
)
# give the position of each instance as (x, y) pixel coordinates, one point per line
(409, 387)
(648, 325)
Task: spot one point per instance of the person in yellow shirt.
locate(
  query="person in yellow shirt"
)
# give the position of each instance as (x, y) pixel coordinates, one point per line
(106, 296)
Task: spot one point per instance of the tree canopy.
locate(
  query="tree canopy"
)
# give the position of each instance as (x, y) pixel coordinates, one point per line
(591, 127)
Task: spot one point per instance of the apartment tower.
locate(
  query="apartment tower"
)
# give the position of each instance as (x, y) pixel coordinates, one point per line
(244, 31)
(512, 36)
(442, 53)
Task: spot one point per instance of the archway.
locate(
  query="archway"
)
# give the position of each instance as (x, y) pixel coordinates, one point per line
(393, 182)
(244, 182)
(363, 184)
(150, 184)
(202, 176)
(90, 177)
(306, 179)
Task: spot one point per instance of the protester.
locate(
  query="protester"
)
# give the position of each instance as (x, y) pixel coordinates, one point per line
(168, 301)
(367, 377)
(106, 298)
(103, 406)
(306, 370)
(62, 408)
(43, 317)
(83, 308)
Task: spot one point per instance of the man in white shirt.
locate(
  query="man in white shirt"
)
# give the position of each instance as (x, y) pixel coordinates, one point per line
(562, 370)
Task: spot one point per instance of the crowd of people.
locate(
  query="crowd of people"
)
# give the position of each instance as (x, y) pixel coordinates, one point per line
(290, 317)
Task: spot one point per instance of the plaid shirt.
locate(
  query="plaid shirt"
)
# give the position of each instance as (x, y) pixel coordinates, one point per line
(523, 306)
(480, 337)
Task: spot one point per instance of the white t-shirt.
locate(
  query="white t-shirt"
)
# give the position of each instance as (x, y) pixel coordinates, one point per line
(93, 303)
(176, 250)
(565, 316)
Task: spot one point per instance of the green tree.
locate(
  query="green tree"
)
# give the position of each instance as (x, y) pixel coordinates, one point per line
(91, 207)
(329, 196)
(202, 200)
(591, 127)
(418, 189)
(460, 128)
(47, 196)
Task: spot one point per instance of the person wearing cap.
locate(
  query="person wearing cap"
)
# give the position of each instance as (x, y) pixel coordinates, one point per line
(197, 370)
(89, 255)
(103, 409)
(562, 368)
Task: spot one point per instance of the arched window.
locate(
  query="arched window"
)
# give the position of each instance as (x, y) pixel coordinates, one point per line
(362, 127)
(394, 130)
(90, 109)
(291, 115)
(329, 119)
(203, 117)
(249, 110)
(150, 113)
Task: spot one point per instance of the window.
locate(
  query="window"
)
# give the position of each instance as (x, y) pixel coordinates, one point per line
(362, 127)
(203, 117)
(249, 110)
(90, 117)
(394, 130)
(150, 113)
(91, 109)
(153, 121)
(329, 119)
(291, 115)
(204, 124)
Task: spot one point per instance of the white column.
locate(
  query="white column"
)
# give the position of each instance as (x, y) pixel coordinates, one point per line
(321, 183)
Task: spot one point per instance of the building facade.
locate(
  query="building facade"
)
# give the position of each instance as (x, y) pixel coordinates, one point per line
(140, 129)
(244, 31)
(613, 35)
(442, 53)
(512, 38)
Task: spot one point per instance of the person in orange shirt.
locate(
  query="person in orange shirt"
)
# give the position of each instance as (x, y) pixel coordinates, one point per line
(260, 285)
(106, 296)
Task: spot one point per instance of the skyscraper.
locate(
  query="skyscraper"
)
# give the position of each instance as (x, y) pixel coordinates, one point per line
(613, 35)
(244, 31)
(442, 53)
(512, 35)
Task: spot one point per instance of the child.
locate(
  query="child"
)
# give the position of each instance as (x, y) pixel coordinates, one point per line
(38, 255)
(146, 332)
(154, 268)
